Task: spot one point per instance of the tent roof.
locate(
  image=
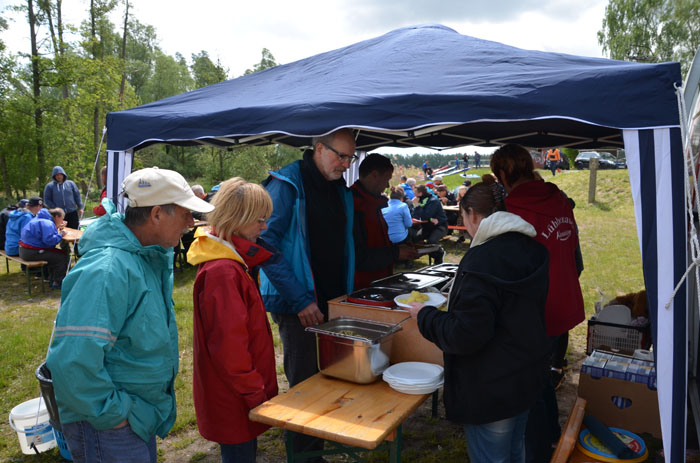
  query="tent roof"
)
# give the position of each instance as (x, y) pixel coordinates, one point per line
(417, 86)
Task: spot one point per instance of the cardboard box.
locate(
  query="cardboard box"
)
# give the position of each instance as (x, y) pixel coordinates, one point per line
(604, 394)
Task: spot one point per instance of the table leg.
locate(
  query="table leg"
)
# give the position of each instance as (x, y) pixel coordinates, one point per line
(433, 411)
(395, 447)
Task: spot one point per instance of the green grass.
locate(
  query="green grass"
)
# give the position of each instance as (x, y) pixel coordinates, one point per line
(612, 266)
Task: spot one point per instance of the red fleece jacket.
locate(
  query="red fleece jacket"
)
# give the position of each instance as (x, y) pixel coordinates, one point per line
(544, 206)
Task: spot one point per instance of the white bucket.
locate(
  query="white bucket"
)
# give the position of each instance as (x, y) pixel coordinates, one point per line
(23, 419)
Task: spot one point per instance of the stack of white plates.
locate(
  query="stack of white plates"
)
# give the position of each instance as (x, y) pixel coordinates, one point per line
(414, 377)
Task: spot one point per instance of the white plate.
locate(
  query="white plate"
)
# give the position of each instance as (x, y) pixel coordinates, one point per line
(414, 373)
(424, 390)
(434, 299)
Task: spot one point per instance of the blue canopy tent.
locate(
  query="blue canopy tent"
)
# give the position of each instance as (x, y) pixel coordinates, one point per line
(430, 86)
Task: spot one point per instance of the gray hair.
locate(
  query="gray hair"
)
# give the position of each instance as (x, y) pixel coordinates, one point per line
(135, 216)
(328, 138)
(411, 181)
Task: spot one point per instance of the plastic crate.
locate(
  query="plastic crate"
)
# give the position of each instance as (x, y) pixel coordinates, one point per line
(612, 336)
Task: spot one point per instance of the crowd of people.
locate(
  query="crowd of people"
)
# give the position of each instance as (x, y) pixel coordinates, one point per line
(287, 247)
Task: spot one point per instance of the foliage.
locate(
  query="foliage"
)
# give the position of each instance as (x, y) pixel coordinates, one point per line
(651, 30)
(266, 61)
(205, 72)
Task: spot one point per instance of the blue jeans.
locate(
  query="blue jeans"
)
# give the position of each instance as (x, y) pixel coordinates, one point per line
(87, 444)
(497, 442)
(239, 453)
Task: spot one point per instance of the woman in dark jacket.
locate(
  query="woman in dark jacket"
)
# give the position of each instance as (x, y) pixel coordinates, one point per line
(493, 333)
(429, 209)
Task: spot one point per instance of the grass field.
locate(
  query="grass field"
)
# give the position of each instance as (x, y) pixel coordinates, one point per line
(612, 266)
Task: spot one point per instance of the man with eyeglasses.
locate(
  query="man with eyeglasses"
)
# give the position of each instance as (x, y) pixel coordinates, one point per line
(312, 226)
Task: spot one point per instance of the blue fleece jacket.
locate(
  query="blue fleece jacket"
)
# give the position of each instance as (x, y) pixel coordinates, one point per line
(18, 219)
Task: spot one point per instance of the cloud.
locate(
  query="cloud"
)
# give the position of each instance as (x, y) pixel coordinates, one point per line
(389, 14)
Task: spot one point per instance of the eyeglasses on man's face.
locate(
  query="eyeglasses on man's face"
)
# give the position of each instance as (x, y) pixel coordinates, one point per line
(349, 158)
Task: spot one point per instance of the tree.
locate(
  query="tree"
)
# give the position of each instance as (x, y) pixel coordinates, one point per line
(266, 61)
(651, 30)
(205, 72)
(170, 77)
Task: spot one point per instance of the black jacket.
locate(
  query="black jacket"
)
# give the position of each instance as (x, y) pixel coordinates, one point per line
(493, 334)
(431, 209)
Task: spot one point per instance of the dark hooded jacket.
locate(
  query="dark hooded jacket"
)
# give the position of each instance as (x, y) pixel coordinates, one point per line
(493, 333)
(64, 195)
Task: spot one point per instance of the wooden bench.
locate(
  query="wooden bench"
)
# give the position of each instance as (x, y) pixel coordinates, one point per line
(28, 265)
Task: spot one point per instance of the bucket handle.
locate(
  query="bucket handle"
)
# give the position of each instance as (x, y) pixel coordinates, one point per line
(22, 431)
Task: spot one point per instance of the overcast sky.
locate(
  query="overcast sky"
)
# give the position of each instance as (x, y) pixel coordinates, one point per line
(235, 32)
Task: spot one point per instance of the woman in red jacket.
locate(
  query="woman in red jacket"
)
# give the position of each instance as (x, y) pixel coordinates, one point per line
(544, 206)
(234, 360)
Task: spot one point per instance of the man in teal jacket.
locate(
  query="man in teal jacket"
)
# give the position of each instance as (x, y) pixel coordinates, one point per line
(114, 357)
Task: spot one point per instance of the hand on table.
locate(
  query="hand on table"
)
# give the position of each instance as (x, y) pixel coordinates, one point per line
(434, 221)
(311, 315)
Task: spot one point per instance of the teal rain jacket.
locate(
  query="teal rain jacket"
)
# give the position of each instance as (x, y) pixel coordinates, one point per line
(114, 355)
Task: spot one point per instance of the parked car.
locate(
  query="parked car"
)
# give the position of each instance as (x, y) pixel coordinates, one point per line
(605, 160)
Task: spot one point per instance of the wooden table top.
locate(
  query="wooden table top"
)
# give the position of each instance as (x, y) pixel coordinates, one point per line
(451, 208)
(361, 415)
(72, 234)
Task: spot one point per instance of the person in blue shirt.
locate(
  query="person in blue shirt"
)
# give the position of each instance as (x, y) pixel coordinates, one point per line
(406, 186)
(38, 242)
(17, 220)
(397, 216)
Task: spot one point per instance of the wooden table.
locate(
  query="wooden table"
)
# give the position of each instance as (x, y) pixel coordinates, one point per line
(450, 208)
(72, 234)
(351, 416)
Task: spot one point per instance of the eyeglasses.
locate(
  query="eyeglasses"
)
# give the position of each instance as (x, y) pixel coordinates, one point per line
(343, 157)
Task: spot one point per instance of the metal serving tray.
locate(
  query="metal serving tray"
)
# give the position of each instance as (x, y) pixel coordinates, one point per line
(352, 349)
(410, 281)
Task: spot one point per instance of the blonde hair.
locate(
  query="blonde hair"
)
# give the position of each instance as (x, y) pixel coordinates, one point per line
(237, 204)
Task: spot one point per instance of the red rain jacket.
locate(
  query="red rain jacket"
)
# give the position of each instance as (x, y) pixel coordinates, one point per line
(234, 359)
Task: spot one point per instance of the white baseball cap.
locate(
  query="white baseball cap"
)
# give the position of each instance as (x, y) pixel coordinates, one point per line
(156, 187)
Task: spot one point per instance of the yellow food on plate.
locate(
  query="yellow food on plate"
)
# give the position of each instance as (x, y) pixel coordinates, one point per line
(415, 296)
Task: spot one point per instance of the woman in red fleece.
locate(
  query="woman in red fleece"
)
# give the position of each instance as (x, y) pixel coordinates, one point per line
(234, 359)
(544, 206)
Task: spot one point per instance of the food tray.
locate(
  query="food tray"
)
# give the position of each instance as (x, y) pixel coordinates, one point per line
(352, 349)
